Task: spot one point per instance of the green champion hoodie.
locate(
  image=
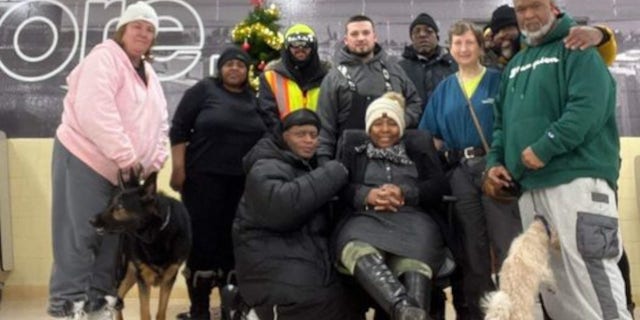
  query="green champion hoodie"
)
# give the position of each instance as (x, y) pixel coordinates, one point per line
(561, 103)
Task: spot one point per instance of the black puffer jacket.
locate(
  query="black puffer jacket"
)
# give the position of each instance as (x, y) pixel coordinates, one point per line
(426, 73)
(281, 229)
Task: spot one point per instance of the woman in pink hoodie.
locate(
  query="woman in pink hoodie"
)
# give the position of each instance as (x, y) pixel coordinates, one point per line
(114, 118)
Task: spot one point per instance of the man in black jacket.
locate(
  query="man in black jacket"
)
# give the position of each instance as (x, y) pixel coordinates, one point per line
(424, 61)
(293, 81)
(363, 73)
(281, 231)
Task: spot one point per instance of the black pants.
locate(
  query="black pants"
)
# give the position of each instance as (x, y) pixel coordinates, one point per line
(212, 200)
(333, 303)
(480, 224)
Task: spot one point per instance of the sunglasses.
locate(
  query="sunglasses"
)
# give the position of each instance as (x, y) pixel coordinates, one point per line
(299, 44)
(302, 41)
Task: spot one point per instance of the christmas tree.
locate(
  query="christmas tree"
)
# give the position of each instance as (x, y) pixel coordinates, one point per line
(259, 35)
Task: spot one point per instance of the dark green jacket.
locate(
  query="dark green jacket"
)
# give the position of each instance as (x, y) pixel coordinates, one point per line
(561, 103)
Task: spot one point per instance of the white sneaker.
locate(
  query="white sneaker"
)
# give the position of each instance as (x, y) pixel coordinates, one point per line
(107, 312)
(78, 312)
(252, 315)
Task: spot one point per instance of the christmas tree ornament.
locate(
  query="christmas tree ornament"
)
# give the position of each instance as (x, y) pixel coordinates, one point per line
(258, 34)
(262, 65)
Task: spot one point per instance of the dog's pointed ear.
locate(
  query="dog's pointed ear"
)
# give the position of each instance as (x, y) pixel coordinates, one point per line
(151, 185)
(134, 178)
(121, 179)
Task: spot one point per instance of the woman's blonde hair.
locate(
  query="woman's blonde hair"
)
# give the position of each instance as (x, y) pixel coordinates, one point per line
(117, 37)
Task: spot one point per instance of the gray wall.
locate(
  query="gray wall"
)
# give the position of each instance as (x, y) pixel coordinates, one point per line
(52, 36)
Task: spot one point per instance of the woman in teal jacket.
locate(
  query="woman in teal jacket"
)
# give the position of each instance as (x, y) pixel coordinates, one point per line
(480, 223)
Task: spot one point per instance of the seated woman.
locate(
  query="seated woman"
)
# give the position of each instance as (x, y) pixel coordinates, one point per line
(390, 234)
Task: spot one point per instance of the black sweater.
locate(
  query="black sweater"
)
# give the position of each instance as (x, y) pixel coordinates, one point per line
(219, 127)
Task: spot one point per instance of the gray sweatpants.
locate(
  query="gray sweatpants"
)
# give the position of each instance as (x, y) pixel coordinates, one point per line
(588, 283)
(84, 262)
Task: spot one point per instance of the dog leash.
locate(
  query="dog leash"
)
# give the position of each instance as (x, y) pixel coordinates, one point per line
(164, 225)
(545, 223)
(474, 117)
(166, 219)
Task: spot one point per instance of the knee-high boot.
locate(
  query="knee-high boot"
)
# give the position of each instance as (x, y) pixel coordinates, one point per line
(199, 285)
(379, 282)
(418, 288)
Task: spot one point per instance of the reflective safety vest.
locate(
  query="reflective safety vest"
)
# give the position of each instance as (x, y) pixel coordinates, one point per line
(288, 94)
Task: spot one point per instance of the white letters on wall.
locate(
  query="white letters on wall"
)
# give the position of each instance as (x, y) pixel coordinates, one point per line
(187, 56)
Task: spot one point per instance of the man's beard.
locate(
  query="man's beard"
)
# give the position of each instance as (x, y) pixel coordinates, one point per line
(535, 37)
(362, 54)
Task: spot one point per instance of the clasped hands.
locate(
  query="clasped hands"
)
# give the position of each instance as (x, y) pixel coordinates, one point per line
(387, 197)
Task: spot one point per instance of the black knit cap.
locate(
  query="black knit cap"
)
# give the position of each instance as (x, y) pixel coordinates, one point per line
(231, 53)
(504, 16)
(425, 19)
(300, 117)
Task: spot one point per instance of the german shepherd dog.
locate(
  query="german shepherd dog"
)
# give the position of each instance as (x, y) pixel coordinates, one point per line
(156, 239)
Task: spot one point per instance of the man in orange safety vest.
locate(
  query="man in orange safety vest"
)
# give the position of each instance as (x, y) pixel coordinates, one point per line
(293, 81)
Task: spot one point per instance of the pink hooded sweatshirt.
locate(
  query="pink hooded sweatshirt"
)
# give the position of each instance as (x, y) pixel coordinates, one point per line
(111, 119)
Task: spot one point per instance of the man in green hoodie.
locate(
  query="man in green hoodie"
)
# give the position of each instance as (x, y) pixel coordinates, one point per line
(555, 134)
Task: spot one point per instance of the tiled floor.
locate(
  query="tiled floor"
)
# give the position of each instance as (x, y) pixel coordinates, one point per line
(31, 304)
(35, 309)
(22, 307)
(19, 308)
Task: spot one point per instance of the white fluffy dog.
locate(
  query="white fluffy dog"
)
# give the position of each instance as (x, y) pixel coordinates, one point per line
(524, 269)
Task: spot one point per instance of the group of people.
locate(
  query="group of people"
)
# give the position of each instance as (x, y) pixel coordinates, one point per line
(325, 191)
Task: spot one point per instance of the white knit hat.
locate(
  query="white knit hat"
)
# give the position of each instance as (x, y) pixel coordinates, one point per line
(391, 104)
(139, 11)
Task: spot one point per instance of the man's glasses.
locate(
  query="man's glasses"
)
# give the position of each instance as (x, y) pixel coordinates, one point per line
(299, 44)
(301, 41)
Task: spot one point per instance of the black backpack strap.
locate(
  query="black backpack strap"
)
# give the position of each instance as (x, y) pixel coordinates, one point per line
(345, 72)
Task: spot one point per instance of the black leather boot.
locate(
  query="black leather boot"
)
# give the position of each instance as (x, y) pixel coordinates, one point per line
(438, 303)
(418, 288)
(199, 285)
(379, 282)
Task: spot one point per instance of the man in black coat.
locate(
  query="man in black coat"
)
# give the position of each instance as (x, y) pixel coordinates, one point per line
(281, 231)
(424, 61)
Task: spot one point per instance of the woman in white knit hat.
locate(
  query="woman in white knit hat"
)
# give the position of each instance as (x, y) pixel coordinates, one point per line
(388, 233)
(114, 119)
